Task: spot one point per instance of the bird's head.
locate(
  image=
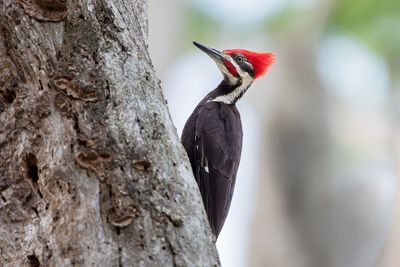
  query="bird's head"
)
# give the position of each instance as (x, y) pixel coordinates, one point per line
(239, 65)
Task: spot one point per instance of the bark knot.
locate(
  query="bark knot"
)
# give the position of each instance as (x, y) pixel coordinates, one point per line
(33, 261)
(142, 165)
(73, 89)
(93, 161)
(32, 168)
(45, 10)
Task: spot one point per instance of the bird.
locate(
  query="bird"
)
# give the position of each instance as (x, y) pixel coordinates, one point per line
(212, 136)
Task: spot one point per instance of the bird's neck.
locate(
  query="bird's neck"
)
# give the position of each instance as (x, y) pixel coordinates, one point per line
(228, 93)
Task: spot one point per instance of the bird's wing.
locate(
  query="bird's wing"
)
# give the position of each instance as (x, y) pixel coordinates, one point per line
(217, 148)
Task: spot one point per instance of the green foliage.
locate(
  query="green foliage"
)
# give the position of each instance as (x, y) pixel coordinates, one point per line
(377, 23)
(357, 14)
(199, 25)
(281, 20)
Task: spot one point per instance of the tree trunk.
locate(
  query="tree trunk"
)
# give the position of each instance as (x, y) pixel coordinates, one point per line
(92, 172)
(291, 210)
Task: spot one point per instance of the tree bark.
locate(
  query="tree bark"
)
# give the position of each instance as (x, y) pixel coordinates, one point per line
(92, 172)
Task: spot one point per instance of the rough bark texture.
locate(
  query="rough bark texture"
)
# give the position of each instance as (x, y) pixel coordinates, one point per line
(92, 172)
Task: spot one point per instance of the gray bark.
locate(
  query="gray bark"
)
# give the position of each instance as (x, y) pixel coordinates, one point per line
(92, 172)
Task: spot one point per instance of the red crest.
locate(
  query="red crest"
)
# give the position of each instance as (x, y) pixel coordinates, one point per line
(260, 61)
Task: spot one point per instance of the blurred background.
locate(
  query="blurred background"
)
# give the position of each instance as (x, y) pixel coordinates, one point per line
(318, 184)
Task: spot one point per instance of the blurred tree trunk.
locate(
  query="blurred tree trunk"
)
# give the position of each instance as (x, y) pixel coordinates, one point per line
(315, 210)
(92, 172)
(389, 255)
(298, 144)
(291, 213)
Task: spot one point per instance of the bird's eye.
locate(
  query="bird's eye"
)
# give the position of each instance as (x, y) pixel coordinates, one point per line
(239, 58)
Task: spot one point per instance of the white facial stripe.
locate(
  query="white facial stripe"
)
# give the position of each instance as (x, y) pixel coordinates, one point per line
(237, 67)
(231, 79)
(239, 70)
(240, 90)
(235, 94)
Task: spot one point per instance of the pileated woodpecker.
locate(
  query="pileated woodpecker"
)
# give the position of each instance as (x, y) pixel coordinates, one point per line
(212, 136)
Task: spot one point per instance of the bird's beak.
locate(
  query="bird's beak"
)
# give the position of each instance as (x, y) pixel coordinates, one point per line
(222, 61)
(213, 53)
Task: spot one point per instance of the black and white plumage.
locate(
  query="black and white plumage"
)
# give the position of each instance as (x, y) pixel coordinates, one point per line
(212, 136)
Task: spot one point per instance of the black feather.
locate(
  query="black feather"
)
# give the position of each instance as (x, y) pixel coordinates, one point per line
(212, 137)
